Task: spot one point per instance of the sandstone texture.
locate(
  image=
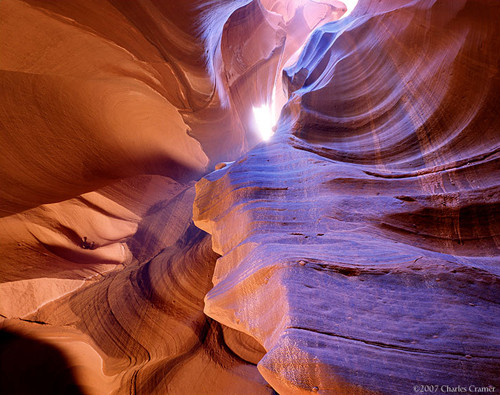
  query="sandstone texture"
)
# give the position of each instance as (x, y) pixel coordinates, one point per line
(151, 244)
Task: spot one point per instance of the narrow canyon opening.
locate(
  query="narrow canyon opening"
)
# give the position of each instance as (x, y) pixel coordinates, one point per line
(249, 197)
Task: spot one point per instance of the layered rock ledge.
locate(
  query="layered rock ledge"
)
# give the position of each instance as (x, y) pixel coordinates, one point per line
(355, 252)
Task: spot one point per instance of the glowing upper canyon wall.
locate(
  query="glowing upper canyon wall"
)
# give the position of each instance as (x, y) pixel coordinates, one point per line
(152, 243)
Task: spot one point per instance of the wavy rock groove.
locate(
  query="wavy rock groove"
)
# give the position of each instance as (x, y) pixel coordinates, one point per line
(152, 243)
(361, 247)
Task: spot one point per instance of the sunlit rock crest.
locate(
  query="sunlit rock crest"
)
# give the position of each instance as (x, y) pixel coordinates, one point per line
(356, 252)
(361, 245)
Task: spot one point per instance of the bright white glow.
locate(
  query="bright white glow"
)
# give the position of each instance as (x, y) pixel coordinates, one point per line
(265, 121)
(350, 4)
(266, 116)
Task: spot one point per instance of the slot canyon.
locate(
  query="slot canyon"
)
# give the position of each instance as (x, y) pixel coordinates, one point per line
(246, 197)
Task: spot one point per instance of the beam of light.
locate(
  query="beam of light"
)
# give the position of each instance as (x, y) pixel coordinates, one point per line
(264, 120)
(266, 115)
(350, 4)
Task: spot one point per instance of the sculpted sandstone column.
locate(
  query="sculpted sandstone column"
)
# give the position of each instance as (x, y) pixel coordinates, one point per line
(360, 246)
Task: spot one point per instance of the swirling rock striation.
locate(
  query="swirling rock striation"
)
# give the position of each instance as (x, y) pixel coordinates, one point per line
(140, 328)
(109, 110)
(361, 246)
(357, 252)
